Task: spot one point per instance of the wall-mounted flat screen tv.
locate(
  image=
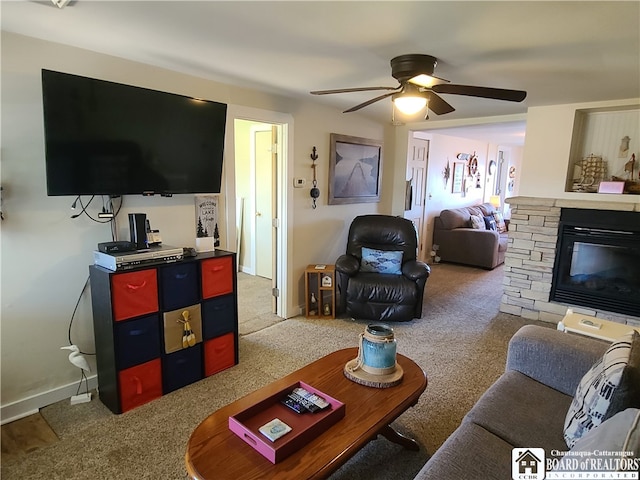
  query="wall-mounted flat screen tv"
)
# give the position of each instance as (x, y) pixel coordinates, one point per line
(105, 138)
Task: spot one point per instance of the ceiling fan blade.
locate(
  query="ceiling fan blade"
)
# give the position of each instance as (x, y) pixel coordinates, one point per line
(437, 105)
(369, 102)
(356, 89)
(484, 92)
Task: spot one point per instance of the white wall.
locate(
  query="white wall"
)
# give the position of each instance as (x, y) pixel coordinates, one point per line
(45, 254)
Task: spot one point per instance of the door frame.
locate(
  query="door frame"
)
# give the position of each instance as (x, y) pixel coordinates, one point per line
(284, 208)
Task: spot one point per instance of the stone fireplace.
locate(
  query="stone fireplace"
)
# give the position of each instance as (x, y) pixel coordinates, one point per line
(531, 256)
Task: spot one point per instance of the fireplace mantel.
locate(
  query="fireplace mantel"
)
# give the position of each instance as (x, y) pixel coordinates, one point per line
(571, 203)
(530, 257)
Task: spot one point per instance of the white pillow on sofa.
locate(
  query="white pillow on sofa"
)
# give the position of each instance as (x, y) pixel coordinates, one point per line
(610, 386)
(477, 222)
(620, 433)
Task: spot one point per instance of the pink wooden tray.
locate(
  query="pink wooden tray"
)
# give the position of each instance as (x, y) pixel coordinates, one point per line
(305, 427)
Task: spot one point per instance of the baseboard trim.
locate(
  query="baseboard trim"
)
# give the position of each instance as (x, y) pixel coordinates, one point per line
(30, 405)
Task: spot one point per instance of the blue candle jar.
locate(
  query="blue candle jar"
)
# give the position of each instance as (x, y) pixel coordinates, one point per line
(378, 350)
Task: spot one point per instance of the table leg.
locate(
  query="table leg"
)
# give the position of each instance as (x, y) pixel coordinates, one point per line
(395, 437)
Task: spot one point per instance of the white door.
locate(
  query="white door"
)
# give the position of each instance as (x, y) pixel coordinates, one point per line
(417, 162)
(264, 166)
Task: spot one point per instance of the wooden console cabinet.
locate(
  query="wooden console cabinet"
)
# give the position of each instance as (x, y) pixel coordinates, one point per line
(138, 319)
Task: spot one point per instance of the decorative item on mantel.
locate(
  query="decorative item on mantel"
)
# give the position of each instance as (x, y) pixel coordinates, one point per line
(376, 364)
(631, 185)
(588, 173)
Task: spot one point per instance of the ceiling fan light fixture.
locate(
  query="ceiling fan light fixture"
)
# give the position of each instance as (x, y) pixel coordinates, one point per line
(428, 81)
(410, 103)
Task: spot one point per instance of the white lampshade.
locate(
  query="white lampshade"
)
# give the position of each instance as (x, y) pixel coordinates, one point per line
(410, 104)
(495, 201)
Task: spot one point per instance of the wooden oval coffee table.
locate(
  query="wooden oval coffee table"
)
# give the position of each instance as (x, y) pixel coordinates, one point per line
(214, 451)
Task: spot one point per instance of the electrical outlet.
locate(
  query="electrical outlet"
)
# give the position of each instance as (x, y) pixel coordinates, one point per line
(299, 182)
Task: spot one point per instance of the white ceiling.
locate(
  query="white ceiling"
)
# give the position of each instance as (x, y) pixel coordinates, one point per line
(559, 52)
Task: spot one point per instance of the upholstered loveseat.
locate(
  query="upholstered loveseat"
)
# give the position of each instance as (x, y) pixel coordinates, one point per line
(459, 242)
(528, 405)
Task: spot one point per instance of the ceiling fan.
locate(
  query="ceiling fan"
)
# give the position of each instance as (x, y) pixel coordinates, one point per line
(419, 87)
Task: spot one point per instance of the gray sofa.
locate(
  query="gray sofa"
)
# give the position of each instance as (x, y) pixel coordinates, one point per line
(458, 242)
(525, 407)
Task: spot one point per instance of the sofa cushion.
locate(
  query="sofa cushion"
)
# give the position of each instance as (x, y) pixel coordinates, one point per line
(455, 218)
(384, 289)
(486, 209)
(592, 401)
(381, 261)
(490, 223)
(500, 223)
(477, 222)
(522, 411)
(470, 452)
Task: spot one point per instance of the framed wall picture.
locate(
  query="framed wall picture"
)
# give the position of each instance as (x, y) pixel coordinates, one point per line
(355, 169)
(458, 175)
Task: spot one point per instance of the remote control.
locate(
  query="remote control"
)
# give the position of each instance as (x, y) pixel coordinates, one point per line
(317, 400)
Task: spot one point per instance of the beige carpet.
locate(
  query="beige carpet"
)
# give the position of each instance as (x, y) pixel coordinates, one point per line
(254, 307)
(460, 342)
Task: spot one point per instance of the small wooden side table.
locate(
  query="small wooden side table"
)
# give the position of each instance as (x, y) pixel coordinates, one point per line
(320, 291)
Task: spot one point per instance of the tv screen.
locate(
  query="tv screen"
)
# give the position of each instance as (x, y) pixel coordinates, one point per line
(105, 138)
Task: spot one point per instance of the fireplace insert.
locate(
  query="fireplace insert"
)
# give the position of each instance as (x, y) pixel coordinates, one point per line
(597, 261)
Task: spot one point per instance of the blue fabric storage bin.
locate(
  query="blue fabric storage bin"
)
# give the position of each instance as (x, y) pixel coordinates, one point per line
(218, 316)
(137, 341)
(181, 368)
(179, 285)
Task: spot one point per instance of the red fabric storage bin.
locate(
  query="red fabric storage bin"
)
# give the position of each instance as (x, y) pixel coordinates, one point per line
(140, 384)
(219, 354)
(217, 276)
(134, 293)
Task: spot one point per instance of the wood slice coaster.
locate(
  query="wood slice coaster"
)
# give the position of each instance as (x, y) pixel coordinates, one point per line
(370, 380)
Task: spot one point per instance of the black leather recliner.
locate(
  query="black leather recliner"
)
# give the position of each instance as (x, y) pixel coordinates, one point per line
(381, 296)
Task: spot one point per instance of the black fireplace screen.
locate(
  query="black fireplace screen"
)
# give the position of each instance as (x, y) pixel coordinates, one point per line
(598, 261)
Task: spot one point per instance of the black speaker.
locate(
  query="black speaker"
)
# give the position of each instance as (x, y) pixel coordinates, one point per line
(138, 230)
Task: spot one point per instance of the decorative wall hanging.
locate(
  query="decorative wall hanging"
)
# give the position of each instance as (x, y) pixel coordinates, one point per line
(512, 178)
(473, 165)
(458, 177)
(355, 167)
(624, 147)
(446, 173)
(315, 191)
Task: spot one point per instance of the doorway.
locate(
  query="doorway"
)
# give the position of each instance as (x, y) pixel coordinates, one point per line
(240, 204)
(256, 158)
